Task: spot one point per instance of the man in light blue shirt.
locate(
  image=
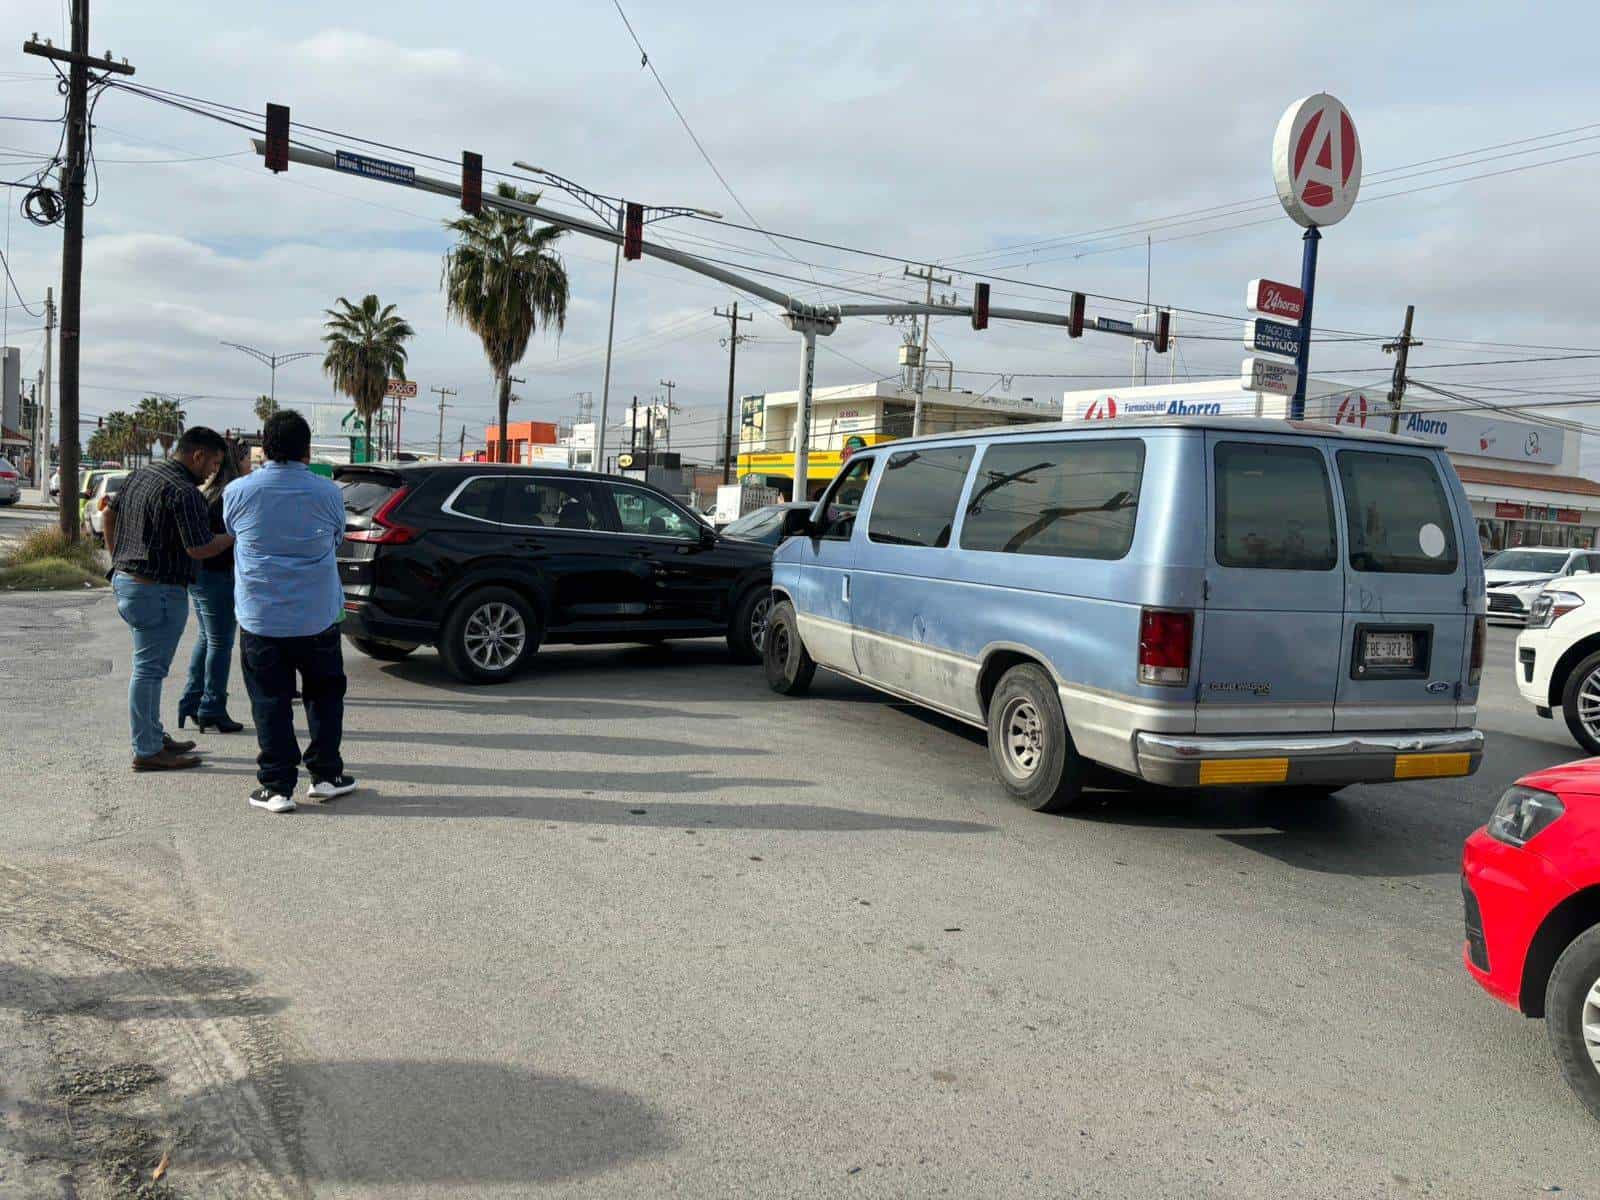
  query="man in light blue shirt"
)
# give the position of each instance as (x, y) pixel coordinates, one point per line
(288, 524)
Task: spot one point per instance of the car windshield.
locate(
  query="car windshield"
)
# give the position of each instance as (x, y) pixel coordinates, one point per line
(1542, 562)
(753, 524)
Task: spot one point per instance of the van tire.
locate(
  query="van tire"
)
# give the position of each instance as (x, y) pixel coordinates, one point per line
(490, 604)
(1029, 743)
(789, 666)
(1586, 671)
(1576, 974)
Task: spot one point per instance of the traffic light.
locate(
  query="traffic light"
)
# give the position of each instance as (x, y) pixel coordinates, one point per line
(277, 155)
(1075, 315)
(471, 182)
(1163, 327)
(633, 232)
(980, 306)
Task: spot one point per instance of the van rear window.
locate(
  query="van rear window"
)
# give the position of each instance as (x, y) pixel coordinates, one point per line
(1274, 508)
(1398, 514)
(1072, 499)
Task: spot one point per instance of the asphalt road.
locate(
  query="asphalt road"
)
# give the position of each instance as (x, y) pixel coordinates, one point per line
(16, 521)
(634, 926)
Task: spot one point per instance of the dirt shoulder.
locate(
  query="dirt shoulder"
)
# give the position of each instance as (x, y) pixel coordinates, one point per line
(134, 1061)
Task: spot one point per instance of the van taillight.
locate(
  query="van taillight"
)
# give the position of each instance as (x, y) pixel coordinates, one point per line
(1480, 632)
(1166, 639)
(385, 532)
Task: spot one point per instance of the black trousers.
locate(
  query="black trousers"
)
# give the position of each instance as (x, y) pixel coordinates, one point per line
(271, 666)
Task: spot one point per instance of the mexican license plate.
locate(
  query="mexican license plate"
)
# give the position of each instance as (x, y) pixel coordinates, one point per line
(1390, 650)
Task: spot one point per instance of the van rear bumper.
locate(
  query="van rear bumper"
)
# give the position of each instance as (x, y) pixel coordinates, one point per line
(1319, 759)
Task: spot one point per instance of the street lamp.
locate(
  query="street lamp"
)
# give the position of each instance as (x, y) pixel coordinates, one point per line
(271, 361)
(612, 210)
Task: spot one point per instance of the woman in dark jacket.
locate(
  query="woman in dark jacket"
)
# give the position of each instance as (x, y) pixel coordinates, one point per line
(206, 697)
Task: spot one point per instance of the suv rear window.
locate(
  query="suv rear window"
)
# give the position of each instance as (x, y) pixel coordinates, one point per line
(1075, 499)
(916, 501)
(363, 495)
(1399, 517)
(1274, 508)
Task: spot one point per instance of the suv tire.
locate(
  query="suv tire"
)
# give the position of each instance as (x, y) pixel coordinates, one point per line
(789, 667)
(1586, 673)
(1573, 993)
(489, 635)
(1029, 745)
(382, 651)
(747, 630)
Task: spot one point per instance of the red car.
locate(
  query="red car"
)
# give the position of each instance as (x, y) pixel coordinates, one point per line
(1530, 879)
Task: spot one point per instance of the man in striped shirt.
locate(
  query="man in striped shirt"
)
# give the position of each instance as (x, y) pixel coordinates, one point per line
(156, 530)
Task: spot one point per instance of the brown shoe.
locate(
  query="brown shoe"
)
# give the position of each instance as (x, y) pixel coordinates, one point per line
(166, 761)
(173, 747)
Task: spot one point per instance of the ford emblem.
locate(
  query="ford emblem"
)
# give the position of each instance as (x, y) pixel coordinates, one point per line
(1438, 687)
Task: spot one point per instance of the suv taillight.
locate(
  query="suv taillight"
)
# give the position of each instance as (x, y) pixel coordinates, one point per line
(1480, 633)
(385, 532)
(1166, 639)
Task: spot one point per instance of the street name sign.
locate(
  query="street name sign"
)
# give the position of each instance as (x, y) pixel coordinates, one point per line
(375, 168)
(1268, 375)
(1272, 337)
(1316, 161)
(1274, 299)
(1112, 325)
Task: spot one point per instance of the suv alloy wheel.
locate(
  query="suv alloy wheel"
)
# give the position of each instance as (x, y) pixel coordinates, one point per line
(489, 635)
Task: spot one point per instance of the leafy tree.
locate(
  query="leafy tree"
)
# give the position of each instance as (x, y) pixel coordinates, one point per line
(366, 348)
(502, 281)
(265, 406)
(160, 418)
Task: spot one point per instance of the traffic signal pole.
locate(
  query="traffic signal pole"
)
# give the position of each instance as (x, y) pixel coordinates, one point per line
(810, 321)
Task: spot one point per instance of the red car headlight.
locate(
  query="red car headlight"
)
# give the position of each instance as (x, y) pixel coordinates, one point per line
(1522, 814)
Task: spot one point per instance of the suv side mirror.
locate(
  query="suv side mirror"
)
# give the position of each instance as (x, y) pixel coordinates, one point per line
(797, 522)
(708, 535)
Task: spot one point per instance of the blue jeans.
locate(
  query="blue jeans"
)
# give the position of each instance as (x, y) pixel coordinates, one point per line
(207, 693)
(156, 614)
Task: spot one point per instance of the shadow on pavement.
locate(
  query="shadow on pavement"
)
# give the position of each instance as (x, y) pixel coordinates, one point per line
(202, 992)
(522, 778)
(801, 818)
(506, 700)
(558, 743)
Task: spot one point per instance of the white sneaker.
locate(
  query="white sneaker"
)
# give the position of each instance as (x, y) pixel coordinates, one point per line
(271, 801)
(328, 789)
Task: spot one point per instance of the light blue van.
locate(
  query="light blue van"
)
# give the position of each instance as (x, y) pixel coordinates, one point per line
(1193, 602)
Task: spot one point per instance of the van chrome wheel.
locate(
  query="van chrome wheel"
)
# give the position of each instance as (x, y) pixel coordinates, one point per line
(494, 636)
(1023, 736)
(760, 620)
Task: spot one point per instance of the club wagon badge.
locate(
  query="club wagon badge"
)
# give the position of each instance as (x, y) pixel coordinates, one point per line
(1316, 160)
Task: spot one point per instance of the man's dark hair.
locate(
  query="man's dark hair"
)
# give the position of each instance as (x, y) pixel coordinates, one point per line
(198, 437)
(286, 437)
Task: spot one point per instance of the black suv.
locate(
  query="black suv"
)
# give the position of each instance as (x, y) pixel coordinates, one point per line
(487, 561)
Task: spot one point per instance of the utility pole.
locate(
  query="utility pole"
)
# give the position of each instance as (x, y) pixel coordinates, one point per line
(44, 395)
(669, 385)
(443, 392)
(462, 453)
(931, 278)
(733, 340)
(72, 185)
(633, 439)
(1401, 351)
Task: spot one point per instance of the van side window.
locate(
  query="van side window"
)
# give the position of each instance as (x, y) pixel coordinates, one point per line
(1274, 508)
(843, 501)
(917, 496)
(1072, 499)
(1398, 515)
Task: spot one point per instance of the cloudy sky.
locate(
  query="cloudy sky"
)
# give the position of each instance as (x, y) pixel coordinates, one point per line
(949, 133)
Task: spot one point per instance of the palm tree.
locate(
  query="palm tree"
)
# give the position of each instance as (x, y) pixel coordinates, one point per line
(120, 438)
(366, 347)
(161, 418)
(265, 406)
(502, 281)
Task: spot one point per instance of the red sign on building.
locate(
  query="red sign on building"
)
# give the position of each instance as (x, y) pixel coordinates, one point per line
(1514, 511)
(1274, 299)
(1569, 516)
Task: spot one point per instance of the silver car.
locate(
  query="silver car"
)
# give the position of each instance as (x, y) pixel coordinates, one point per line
(10, 483)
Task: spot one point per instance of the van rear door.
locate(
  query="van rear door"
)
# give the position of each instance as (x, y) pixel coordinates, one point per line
(1269, 637)
(1407, 634)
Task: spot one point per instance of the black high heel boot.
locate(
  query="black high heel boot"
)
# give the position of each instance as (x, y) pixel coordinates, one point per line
(188, 714)
(222, 724)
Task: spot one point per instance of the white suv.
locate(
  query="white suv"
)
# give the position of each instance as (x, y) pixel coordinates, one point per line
(1558, 656)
